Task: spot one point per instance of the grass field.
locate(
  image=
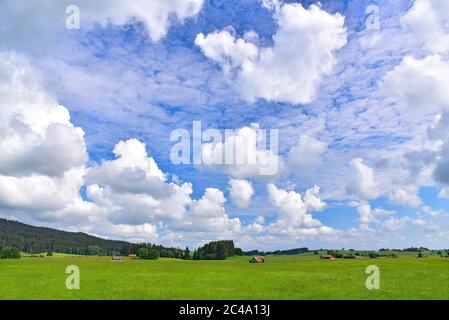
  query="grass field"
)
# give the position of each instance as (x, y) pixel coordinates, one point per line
(281, 277)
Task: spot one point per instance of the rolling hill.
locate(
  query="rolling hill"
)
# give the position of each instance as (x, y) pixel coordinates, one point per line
(31, 239)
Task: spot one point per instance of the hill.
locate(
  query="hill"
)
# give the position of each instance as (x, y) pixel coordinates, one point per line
(32, 239)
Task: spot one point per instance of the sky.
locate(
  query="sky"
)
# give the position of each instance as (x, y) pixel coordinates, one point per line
(339, 108)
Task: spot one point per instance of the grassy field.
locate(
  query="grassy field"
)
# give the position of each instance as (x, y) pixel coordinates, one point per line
(281, 277)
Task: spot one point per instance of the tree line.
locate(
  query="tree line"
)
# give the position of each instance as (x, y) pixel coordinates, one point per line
(217, 250)
(9, 253)
(36, 240)
(277, 252)
(151, 251)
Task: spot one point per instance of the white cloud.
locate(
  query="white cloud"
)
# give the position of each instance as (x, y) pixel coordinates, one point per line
(240, 192)
(36, 135)
(157, 15)
(419, 222)
(363, 184)
(444, 193)
(383, 212)
(405, 195)
(428, 22)
(129, 197)
(134, 189)
(225, 49)
(134, 192)
(365, 214)
(312, 199)
(290, 71)
(249, 156)
(419, 85)
(132, 171)
(305, 157)
(368, 215)
(432, 212)
(209, 215)
(294, 217)
(395, 224)
(42, 154)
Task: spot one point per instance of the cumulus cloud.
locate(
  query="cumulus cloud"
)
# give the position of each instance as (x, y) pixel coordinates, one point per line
(419, 85)
(366, 184)
(36, 135)
(43, 153)
(209, 215)
(303, 51)
(305, 157)
(246, 153)
(406, 195)
(428, 22)
(134, 188)
(132, 172)
(240, 192)
(128, 197)
(295, 218)
(135, 192)
(368, 215)
(365, 214)
(43, 168)
(363, 184)
(395, 224)
(157, 15)
(225, 49)
(444, 193)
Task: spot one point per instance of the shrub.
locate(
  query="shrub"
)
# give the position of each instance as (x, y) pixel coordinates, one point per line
(149, 254)
(10, 253)
(373, 255)
(153, 254)
(332, 253)
(142, 253)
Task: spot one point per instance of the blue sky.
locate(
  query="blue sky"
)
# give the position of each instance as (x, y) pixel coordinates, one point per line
(361, 122)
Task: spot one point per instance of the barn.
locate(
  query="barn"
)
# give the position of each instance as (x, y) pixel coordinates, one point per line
(257, 259)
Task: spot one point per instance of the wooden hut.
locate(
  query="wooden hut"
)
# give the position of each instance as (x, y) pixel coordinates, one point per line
(327, 257)
(257, 259)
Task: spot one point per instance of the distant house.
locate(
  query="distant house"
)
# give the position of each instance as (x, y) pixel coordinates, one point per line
(132, 255)
(116, 258)
(327, 257)
(257, 259)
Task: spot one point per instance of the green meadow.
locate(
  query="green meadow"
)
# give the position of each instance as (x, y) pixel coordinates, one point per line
(281, 277)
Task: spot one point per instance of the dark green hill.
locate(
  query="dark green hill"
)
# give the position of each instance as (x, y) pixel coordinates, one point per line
(32, 239)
